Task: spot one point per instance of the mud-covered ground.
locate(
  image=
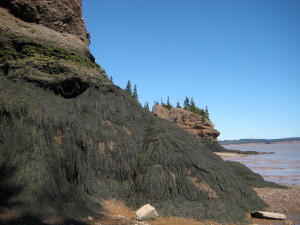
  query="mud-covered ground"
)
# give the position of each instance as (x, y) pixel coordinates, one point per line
(286, 201)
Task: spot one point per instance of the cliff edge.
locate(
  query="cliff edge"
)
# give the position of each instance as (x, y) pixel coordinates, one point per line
(194, 124)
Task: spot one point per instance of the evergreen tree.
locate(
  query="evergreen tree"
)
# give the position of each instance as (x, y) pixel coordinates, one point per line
(146, 106)
(206, 112)
(193, 107)
(135, 94)
(161, 102)
(128, 89)
(156, 102)
(168, 106)
(186, 103)
(178, 105)
(111, 79)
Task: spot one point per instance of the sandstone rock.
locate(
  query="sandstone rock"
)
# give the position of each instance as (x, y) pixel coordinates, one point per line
(62, 16)
(191, 122)
(268, 215)
(160, 111)
(146, 212)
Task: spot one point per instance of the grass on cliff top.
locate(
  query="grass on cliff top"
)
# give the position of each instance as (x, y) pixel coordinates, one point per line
(43, 54)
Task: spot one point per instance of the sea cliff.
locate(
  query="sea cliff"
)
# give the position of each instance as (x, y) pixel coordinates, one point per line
(69, 138)
(197, 125)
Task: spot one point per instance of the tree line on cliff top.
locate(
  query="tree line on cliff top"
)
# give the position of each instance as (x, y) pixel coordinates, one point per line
(188, 104)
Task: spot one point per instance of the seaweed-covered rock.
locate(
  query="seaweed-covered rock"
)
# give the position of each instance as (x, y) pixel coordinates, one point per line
(69, 138)
(249, 177)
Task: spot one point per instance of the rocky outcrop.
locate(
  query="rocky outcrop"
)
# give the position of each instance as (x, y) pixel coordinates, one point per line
(70, 138)
(268, 215)
(62, 16)
(146, 212)
(195, 124)
(36, 49)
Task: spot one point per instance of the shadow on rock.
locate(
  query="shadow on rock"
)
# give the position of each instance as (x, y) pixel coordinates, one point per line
(8, 190)
(33, 220)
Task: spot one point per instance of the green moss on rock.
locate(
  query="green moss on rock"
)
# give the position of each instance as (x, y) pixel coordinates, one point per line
(43, 55)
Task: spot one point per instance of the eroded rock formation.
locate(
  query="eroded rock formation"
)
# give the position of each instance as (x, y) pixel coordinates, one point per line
(195, 124)
(69, 138)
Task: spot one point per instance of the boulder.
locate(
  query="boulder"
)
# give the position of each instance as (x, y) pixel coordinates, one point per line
(146, 212)
(268, 215)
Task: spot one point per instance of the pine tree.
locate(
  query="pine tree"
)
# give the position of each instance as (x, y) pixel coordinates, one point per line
(168, 106)
(186, 103)
(178, 105)
(206, 112)
(162, 102)
(146, 106)
(128, 89)
(193, 106)
(111, 79)
(203, 114)
(135, 94)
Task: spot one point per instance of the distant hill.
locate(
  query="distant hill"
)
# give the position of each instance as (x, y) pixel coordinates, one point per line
(259, 141)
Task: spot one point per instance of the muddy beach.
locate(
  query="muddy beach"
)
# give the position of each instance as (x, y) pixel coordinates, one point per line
(285, 201)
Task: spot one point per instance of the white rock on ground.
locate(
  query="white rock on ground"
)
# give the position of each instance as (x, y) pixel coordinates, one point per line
(268, 215)
(89, 218)
(146, 212)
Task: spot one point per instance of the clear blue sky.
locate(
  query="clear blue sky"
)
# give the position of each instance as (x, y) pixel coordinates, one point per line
(240, 58)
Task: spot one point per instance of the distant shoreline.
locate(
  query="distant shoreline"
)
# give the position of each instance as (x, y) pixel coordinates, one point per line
(264, 143)
(225, 155)
(260, 141)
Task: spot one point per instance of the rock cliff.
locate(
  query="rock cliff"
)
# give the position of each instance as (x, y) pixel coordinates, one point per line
(69, 138)
(195, 124)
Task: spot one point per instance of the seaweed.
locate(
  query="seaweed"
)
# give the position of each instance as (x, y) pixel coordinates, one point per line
(70, 153)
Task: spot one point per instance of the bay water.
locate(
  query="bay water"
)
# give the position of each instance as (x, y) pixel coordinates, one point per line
(281, 167)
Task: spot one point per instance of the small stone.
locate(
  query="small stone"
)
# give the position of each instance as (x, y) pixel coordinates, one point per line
(268, 215)
(146, 212)
(90, 218)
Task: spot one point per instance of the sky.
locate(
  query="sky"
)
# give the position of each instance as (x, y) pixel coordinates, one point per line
(241, 59)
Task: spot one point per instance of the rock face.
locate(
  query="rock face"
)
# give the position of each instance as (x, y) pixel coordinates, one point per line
(193, 123)
(61, 16)
(69, 137)
(146, 212)
(268, 215)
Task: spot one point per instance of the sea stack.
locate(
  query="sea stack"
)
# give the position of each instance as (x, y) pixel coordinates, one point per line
(197, 125)
(69, 138)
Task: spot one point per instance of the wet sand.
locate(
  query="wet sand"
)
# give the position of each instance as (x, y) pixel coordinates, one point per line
(226, 155)
(286, 201)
